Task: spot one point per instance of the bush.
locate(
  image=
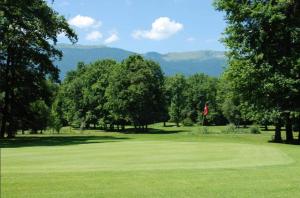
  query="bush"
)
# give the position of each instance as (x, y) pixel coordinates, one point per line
(254, 129)
(204, 130)
(187, 122)
(231, 128)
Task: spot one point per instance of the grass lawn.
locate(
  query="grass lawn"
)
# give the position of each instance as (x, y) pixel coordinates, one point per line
(169, 162)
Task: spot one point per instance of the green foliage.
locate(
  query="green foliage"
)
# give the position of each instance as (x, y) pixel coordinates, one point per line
(187, 122)
(200, 90)
(263, 38)
(176, 87)
(28, 32)
(231, 128)
(40, 114)
(204, 130)
(81, 99)
(107, 92)
(254, 129)
(136, 91)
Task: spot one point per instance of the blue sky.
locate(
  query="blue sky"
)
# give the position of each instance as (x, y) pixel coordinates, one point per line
(145, 25)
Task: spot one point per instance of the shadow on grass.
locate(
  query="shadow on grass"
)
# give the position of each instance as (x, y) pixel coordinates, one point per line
(151, 131)
(31, 141)
(294, 142)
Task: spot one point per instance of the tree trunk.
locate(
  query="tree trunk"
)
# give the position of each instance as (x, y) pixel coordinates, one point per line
(3, 127)
(10, 131)
(289, 129)
(266, 127)
(177, 124)
(5, 113)
(165, 124)
(277, 137)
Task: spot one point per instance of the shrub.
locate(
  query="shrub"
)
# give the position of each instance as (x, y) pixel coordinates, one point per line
(204, 130)
(187, 122)
(231, 128)
(254, 129)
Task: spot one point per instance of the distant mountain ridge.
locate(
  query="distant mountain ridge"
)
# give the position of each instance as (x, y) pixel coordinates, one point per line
(209, 62)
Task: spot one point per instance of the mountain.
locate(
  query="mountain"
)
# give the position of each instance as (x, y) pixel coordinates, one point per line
(209, 62)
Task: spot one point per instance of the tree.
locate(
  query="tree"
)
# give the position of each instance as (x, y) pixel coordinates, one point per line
(264, 42)
(176, 86)
(135, 92)
(200, 90)
(81, 97)
(28, 33)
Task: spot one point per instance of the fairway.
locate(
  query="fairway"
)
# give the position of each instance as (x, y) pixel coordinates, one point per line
(140, 155)
(172, 163)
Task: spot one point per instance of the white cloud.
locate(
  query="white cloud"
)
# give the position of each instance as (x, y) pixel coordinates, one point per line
(94, 36)
(84, 22)
(112, 38)
(162, 28)
(190, 39)
(212, 40)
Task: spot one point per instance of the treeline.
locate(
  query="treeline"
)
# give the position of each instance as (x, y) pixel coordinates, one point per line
(110, 95)
(261, 84)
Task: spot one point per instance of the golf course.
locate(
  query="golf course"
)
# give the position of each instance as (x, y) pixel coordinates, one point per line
(165, 162)
(149, 99)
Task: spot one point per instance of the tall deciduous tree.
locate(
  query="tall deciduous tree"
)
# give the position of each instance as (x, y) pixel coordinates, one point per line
(81, 97)
(264, 42)
(28, 32)
(135, 91)
(201, 89)
(176, 86)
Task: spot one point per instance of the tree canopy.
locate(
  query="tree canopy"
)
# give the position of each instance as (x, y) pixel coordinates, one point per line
(263, 38)
(28, 34)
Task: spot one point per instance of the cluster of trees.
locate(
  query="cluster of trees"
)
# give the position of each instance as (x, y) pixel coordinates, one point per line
(263, 38)
(28, 32)
(108, 94)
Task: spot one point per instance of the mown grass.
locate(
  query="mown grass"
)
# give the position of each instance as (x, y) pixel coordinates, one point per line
(167, 162)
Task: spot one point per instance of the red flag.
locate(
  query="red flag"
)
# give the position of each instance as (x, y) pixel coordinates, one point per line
(205, 111)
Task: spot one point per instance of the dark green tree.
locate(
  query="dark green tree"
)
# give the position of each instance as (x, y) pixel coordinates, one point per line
(201, 89)
(81, 97)
(135, 92)
(28, 33)
(263, 38)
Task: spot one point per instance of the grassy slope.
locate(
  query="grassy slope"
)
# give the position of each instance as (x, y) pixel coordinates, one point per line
(176, 162)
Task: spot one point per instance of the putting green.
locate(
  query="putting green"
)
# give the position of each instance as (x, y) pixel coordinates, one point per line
(140, 155)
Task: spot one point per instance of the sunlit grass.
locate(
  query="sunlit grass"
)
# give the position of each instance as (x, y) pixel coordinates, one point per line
(166, 162)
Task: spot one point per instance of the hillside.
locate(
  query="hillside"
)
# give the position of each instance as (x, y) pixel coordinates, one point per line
(209, 62)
